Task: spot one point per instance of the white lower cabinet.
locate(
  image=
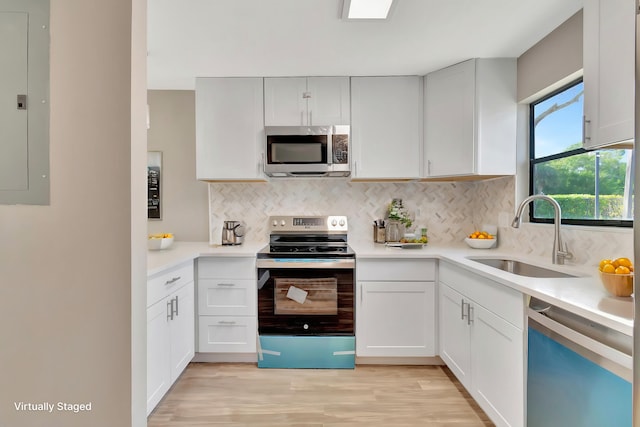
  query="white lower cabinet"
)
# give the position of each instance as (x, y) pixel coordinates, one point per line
(227, 334)
(454, 334)
(170, 329)
(395, 308)
(227, 305)
(481, 334)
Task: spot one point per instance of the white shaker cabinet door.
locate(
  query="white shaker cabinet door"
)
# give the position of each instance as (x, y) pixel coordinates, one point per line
(329, 102)
(497, 364)
(395, 319)
(454, 333)
(285, 103)
(609, 79)
(229, 129)
(449, 121)
(386, 127)
(182, 330)
(158, 375)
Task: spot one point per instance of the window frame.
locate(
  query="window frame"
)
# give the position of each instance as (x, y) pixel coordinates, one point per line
(533, 162)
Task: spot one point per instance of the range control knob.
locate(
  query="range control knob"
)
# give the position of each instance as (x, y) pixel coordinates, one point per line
(275, 223)
(283, 223)
(305, 326)
(341, 222)
(334, 222)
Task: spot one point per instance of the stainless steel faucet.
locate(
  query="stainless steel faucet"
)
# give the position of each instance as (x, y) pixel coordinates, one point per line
(560, 251)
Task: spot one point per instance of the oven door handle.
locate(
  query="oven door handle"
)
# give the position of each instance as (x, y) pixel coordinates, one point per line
(282, 263)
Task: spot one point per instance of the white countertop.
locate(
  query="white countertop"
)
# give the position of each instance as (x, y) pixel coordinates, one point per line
(180, 252)
(583, 295)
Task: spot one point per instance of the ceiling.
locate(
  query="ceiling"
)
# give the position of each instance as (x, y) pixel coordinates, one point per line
(215, 38)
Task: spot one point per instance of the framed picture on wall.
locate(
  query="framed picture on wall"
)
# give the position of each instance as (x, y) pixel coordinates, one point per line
(154, 185)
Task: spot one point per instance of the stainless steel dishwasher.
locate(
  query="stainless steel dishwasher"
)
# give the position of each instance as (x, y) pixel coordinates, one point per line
(579, 372)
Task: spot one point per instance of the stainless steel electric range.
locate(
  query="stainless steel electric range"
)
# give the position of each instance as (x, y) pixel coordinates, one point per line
(306, 294)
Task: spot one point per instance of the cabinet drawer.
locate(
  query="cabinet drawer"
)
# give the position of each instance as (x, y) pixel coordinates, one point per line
(162, 284)
(227, 268)
(227, 297)
(396, 269)
(495, 297)
(227, 334)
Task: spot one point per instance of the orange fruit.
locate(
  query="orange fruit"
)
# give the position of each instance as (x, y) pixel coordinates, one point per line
(622, 270)
(608, 268)
(625, 262)
(604, 262)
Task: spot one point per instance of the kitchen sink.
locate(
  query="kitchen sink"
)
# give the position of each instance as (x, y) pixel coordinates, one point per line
(521, 268)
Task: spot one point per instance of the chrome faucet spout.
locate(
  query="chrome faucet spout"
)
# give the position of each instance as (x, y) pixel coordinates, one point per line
(560, 251)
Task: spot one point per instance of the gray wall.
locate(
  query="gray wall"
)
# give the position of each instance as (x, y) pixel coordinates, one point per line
(173, 131)
(66, 269)
(554, 61)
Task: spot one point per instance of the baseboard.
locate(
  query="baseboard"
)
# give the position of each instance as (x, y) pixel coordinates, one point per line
(435, 360)
(226, 357)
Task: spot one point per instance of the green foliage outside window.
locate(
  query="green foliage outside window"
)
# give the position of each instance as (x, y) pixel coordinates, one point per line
(582, 206)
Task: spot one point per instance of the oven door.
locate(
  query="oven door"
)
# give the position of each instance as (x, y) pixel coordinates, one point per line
(306, 297)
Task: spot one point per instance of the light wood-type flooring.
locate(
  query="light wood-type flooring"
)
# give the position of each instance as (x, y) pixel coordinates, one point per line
(370, 395)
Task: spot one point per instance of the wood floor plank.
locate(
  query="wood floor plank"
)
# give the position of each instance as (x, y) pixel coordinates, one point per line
(228, 394)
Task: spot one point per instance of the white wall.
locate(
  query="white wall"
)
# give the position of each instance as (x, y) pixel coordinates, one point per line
(173, 132)
(66, 270)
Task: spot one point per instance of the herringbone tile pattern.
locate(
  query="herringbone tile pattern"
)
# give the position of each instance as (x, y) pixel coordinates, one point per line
(450, 210)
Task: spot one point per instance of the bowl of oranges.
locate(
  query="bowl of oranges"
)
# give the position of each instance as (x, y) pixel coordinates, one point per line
(617, 276)
(481, 239)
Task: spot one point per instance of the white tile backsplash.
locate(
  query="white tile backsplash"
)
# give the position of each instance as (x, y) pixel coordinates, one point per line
(450, 210)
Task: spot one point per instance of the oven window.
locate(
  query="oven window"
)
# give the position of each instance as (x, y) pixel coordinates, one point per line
(314, 297)
(297, 149)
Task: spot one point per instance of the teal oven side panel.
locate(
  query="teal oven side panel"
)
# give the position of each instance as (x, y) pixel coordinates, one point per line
(314, 352)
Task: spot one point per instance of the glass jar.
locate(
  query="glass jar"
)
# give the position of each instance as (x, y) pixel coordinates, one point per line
(395, 231)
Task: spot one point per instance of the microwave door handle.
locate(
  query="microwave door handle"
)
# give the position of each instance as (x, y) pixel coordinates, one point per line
(330, 148)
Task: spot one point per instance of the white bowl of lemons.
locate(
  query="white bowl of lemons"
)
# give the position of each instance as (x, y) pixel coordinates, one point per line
(156, 242)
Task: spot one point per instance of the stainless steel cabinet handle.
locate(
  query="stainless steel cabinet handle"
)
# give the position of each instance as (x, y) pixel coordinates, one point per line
(469, 311)
(429, 167)
(310, 118)
(462, 304)
(170, 309)
(226, 284)
(176, 305)
(175, 279)
(226, 322)
(584, 128)
(302, 118)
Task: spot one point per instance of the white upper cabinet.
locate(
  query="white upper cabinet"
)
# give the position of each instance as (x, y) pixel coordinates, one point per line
(229, 129)
(470, 119)
(608, 55)
(306, 101)
(386, 127)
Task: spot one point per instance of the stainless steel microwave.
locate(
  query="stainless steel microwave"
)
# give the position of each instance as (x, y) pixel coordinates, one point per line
(307, 151)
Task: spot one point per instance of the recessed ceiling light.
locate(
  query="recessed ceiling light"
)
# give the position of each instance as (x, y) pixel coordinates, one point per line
(366, 9)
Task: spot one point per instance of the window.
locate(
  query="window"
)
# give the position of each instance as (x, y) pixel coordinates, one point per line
(592, 187)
